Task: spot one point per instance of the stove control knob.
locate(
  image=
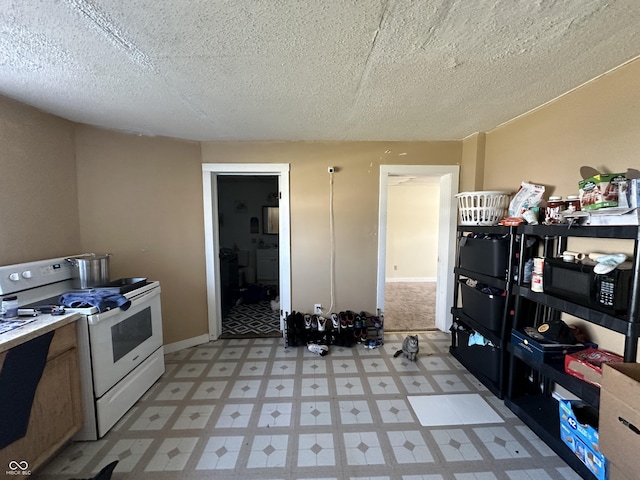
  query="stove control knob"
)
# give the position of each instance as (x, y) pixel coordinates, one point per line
(14, 277)
(26, 274)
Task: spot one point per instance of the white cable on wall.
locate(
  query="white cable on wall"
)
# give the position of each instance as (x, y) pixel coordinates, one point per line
(332, 260)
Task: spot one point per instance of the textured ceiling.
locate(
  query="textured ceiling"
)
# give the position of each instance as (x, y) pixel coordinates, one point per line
(307, 69)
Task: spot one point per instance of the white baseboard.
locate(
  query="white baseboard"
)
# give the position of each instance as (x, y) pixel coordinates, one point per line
(410, 279)
(189, 342)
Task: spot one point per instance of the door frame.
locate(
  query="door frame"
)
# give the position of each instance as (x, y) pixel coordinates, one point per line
(447, 224)
(210, 173)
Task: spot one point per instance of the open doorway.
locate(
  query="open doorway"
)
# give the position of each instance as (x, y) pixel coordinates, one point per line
(445, 177)
(413, 209)
(248, 217)
(226, 262)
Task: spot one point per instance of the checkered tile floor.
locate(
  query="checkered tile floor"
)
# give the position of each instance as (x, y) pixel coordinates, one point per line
(253, 319)
(253, 409)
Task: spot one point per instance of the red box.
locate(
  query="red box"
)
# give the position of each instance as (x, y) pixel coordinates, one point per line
(587, 364)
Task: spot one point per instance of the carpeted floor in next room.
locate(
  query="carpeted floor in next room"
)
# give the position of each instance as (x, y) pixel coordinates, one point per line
(253, 409)
(409, 306)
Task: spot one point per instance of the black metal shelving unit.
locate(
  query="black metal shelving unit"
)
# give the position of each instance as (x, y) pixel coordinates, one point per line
(528, 392)
(476, 360)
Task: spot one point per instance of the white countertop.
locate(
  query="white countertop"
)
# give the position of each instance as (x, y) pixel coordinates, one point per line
(44, 323)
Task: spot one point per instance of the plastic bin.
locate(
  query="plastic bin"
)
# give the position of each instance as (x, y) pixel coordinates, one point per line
(488, 256)
(484, 308)
(482, 359)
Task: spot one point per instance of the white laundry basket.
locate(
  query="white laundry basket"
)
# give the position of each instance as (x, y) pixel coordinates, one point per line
(482, 208)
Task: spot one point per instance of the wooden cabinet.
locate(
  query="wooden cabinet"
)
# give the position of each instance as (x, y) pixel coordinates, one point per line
(56, 414)
(267, 265)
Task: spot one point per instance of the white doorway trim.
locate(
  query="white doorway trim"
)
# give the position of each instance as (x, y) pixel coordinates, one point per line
(449, 178)
(210, 173)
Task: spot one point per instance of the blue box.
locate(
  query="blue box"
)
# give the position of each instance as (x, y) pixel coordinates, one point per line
(539, 352)
(579, 433)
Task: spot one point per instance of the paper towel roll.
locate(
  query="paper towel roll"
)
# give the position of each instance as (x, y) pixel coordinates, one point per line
(595, 256)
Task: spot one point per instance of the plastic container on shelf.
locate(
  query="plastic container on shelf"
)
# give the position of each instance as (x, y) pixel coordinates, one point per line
(485, 308)
(9, 308)
(488, 256)
(552, 213)
(484, 208)
(484, 358)
(572, 203)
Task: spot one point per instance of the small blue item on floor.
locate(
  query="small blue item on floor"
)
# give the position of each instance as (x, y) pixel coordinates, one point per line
(102, 299)
(477, 339)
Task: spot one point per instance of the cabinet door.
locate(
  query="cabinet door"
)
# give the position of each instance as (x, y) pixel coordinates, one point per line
(56, 414)
(267, 265)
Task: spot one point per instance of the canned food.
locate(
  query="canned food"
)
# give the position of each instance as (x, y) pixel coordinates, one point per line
(536, 283)
(538, 265)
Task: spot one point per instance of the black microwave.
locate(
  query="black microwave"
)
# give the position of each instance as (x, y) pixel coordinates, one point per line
(577, 282)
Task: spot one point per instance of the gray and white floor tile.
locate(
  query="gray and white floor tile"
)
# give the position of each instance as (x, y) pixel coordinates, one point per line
(251, 409)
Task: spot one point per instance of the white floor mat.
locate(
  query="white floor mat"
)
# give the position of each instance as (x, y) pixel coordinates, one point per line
(457, 409)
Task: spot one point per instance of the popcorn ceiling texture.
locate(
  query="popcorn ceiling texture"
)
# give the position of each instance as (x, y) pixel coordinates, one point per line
(307, 70)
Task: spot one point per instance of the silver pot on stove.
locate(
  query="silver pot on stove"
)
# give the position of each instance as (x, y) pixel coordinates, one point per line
(91, 270)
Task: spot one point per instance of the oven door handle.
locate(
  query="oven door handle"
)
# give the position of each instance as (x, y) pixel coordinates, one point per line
(135, 302)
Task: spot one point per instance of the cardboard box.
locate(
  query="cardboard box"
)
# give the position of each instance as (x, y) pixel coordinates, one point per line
(587, 364)
(600, 191)
(620, 416)
(541, 352)
(578, 430)
(616, 474)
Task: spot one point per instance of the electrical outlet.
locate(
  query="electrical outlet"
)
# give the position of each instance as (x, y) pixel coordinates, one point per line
(317, 309)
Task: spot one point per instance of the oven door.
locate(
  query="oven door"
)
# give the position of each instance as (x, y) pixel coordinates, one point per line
(122, 339)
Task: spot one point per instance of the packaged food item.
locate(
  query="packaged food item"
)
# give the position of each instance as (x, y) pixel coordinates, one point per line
(529, 195)
(587, 364)
(601, 190)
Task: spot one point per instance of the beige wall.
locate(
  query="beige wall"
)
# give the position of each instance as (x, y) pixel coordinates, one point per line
(473, 158)
(38, 197)
(141, 200)
(412, 236)
(356, 184)
(596, 125)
